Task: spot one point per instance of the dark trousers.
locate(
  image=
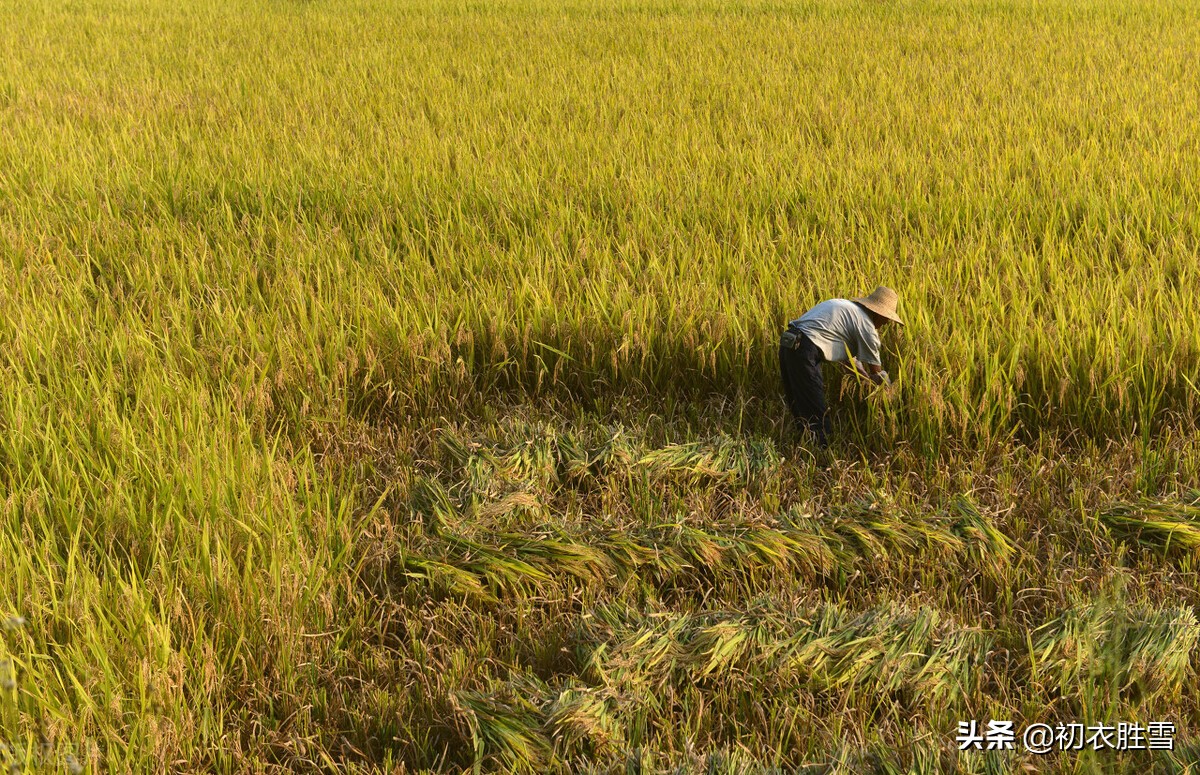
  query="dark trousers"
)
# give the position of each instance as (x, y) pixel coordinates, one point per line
(805, 388)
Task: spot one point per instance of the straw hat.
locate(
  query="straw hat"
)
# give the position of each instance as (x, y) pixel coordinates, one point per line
(883, 302)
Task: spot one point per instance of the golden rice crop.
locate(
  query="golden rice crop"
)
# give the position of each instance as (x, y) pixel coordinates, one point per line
(391, 385)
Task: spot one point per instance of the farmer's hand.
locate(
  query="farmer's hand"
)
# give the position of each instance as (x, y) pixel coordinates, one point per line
(877, 374)
(885, 391)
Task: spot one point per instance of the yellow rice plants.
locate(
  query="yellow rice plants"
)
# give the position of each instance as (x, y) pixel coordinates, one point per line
(356, 356)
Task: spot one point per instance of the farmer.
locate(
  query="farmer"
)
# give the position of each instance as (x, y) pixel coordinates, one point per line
(834, 330)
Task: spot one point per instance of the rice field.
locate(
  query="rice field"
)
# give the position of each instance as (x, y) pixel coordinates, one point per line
(392, 385)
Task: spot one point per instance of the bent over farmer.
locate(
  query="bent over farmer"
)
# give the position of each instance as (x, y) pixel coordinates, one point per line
(835, 330)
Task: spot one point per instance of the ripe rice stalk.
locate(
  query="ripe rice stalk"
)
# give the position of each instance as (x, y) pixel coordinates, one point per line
(446, 578)
(797, 545)
(679, 548)
(934, 537)
(876, 527)
(715, 647)
(536, 455)
(811, 530)
(560, 556)
(702, 549)
(722, 459)
(986, 543)
(506, 726)
(534, 460)
(617, 451)
(690, 459)
(458, 450)
(873, 654)
(515, 502)
(804, 551)
(525, 725)
(432, 502)
(875, 532)
(1098, 651)
(576, 462)
(500, 569)
(1162, 526)
(583, 721)
(872, 527)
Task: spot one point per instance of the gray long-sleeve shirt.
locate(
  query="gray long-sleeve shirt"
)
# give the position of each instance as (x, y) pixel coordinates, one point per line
(840, 328)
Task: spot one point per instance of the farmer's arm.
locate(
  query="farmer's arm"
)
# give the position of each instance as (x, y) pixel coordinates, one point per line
(868, 355)
(873, 371)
